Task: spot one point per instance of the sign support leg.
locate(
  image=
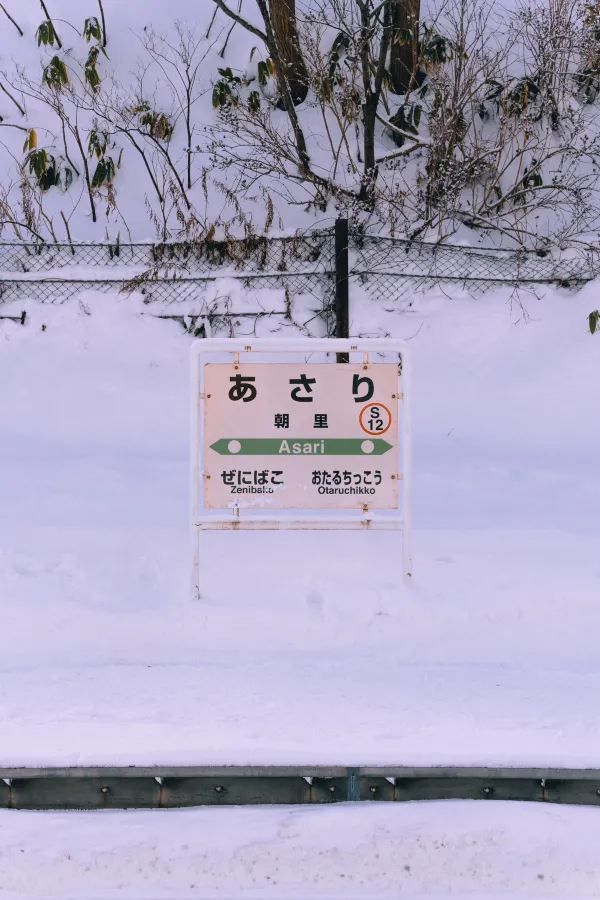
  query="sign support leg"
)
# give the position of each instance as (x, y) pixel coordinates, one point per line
(407, 472)
(195, 393)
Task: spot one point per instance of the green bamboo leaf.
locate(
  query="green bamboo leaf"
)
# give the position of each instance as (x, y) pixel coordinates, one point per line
(46, 34)
(55, 73)
(263, 72)
(92, 30)
(254, 101)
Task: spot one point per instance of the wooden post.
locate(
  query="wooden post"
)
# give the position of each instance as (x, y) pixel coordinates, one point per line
(342, 315)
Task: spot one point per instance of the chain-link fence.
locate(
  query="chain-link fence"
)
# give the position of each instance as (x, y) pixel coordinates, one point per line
(210, 286)
(183, 279)
(396, 269)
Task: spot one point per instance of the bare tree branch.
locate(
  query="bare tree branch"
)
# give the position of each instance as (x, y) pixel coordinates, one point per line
(10, 18)
(24, 225)
(241, 21)
(10, 96)
(103, 23)
(49, 17)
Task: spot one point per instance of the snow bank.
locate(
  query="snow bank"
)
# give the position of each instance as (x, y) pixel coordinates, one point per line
(451, 849)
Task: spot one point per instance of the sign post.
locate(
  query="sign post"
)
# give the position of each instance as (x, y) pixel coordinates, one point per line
(311, 444)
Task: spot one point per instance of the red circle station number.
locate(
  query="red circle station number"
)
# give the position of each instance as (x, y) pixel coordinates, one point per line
(375, 418)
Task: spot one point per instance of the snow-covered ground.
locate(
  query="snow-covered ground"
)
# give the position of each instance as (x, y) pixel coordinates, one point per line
(307, 648)
(452, 849)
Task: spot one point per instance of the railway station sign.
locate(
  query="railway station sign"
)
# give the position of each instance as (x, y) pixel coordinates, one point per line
(285, 437)
(301, 436)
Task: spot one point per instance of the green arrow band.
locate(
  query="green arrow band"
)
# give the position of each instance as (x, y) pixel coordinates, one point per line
(301, 447)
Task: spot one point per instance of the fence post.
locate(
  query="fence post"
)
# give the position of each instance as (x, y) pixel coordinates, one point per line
(353, 784)
(342, 316)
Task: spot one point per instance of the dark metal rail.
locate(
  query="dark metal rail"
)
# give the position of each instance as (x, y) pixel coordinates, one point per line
(167, 787)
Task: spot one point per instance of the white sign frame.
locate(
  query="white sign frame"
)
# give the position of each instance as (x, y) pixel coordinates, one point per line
(243, 350)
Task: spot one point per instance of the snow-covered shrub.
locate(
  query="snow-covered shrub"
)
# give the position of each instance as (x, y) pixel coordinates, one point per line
(489, 134)
(488, 128)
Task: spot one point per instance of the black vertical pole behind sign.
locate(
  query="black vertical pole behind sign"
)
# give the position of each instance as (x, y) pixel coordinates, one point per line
(342, 316)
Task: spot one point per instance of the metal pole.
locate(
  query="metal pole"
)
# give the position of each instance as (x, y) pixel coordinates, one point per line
(342, 315)
(405, 380)
(194, 471)
(353, 784)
